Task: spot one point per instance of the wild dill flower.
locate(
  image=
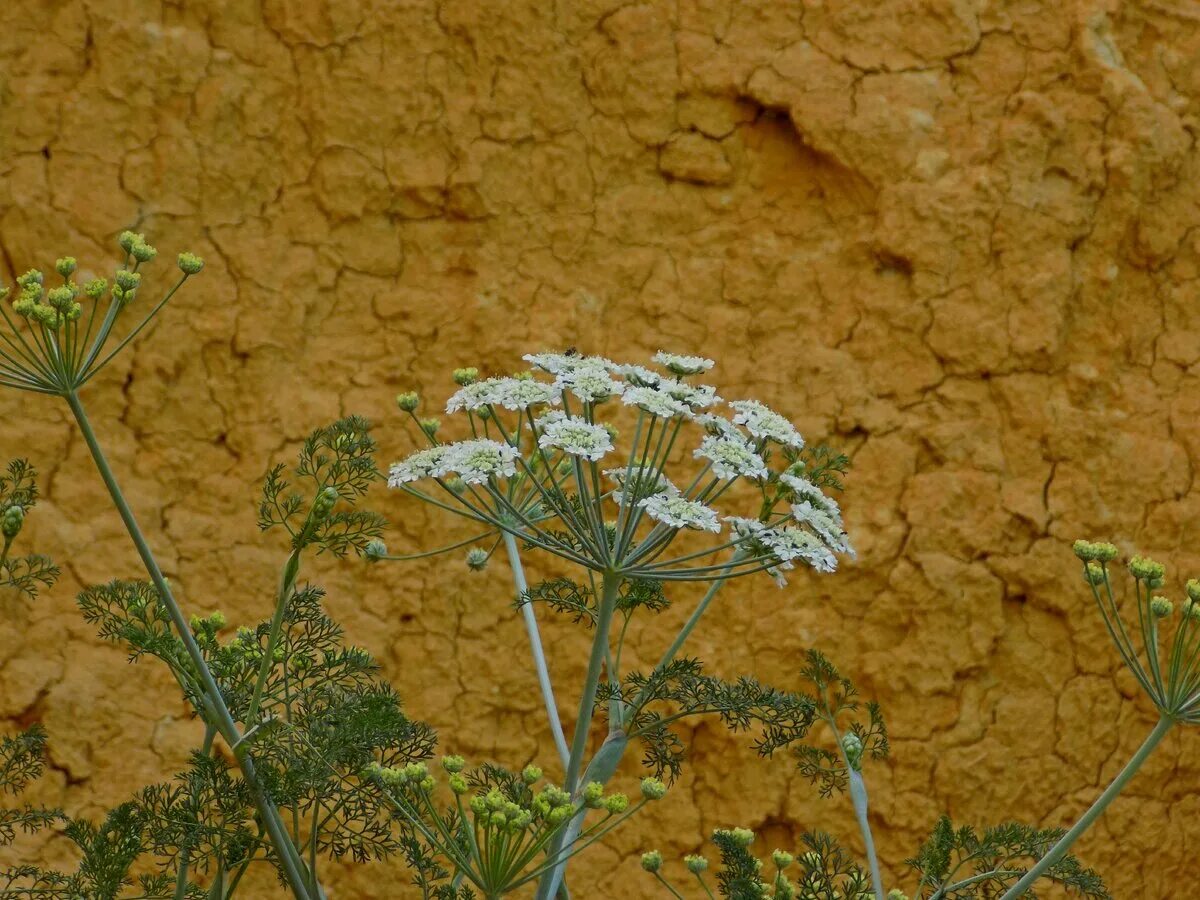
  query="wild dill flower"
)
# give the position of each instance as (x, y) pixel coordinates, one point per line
(694, 396)
(682, 365)
(478, 461)
(638, 376)
(766, 424)
(422, 464)
(826, 523)
(788, 544)
(677, 511)
(590, 381)
(656, 402)
(577, 437)
(732, 456)
(652, 861)
(522, 393)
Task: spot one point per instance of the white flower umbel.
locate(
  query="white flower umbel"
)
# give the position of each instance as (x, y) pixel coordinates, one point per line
(471, 397)
(478, 461)
(696, 396)
(677, 511)
(590, 384)
(510, 393)
(683, 365)
(732, 456)
(766, 424)
(578, 437)
(422, 464)
(825, 523)
(803, 489)
(640, 484)
(638, 376)
(656, 402)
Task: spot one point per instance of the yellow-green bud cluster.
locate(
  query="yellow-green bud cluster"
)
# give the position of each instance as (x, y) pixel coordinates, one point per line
(375, 550)
(453, 764)
(653, 789)
(466, 376)
(696, 864)
(1193, 590)
(853, 748)
(1145, 569)
(65, 266)
(531, 774)
(1161, 607)
(897, 894)
(430, 426)
(323, 504)
(1087, 551)
(189, 263)
(408, 401)
(1093, 572)
(11, 522)
(135, 245)
(593, 793)
(652, 861)
(782, 858)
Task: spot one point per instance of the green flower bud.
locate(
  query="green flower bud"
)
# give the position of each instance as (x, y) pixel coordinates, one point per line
(47, 317)
(1192, 610)
(189, 263)
(695, 864)
(196, 622)
(24, 306)
(782, 858)
(128, 238)
(217, 620)
(453, 764)
(652, 861)
(61, 298)
(430, 426)
(1083, 549)
(478, 806)
(375, 550)
(73, 312)
(1193, 589)
(126, 280)
(558, 815)
(1094, 573)
(484, 413)
(616, 803)
(653, 789)
(458, 784)
(531, 774)
(32, 277)
(897, 894)
(1161, 607)
(1145, 568)
(1105, 553)
(744, 837)
(323, 504)
(65, 266)
(427, 784)
(592, 794)
(416, 771)
(477, 559)
(11, 522)
(143, 252)
(407, 401)
(466, 376)
(853, 748)
(456, 484)
(95, 288)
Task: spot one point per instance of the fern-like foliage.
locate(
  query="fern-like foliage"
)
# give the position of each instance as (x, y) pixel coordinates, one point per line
(340, 457)
(29, 574)
(653, 703)
(964, 863)
(837, 697)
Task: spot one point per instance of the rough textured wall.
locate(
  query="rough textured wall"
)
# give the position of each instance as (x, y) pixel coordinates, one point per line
(954, 236)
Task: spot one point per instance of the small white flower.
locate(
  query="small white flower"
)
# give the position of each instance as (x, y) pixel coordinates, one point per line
(655, 402)
(673, 509)
(683, 365)
(549, 416)
(420, 465)
(694, 395)
(522, 393)
(764, 423)
(578, 437)
(788, 543)
(642, 483)
(477, 461)
(638, 376)
(717, 425)
(803, 489)
(732, 456)
(471, 396)
(826, 523)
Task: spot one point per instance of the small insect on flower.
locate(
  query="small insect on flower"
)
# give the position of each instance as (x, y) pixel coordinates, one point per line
(656, 402)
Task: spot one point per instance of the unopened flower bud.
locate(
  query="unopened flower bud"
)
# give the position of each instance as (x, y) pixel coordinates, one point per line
(323, 504)
(407, 401)
(11, 522)
(652, 861)
(695, 864)
(458, 784)
(782, 858)
(65, 266)
(430, 426)
(95, 288)
(477, 559)
(1161, 607)
(616, 803)
(1193, 589)
(143, 252)
(189, 263)
(375, 550)
(1192, 611)
(653, 789)
(744, 837)
(853, 748)
(466, 376)
(453, 764)
(592, 794)
(456, 484)
(32, 277)
(531, 774)
(126, 280)
(1094, 573)
(897, 894)
(128, 239)
(1143, 567)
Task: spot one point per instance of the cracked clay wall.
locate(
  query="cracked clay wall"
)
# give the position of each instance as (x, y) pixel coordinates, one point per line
(954, 237)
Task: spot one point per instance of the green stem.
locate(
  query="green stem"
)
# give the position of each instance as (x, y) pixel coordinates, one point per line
(215, 701)
(535, 648)
(858, 796)
(287, 583)
(185, 855)
(1059, 850)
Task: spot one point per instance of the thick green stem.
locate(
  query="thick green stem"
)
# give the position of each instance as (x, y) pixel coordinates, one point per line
(214, 700)
(1059, 850)
(535, 648)
(185, 855)
(858, 795)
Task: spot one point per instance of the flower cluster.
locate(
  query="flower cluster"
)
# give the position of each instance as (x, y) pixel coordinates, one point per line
(61, 348)
(543, 453)
(500, 828)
